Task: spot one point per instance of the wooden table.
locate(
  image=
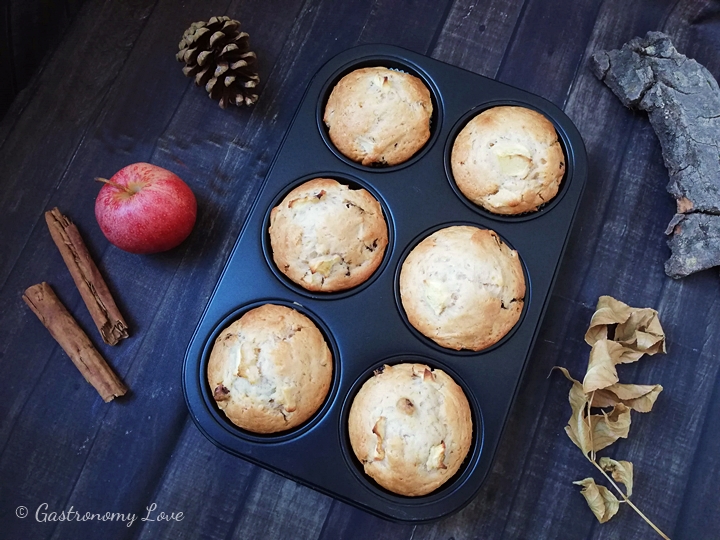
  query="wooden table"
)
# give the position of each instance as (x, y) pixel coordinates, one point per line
(112, 93)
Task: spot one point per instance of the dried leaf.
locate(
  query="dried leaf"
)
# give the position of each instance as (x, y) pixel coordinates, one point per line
(625, 355)
(579, 432)
(604, 356)
(638, 329)
(621, 471)
(607, 312)
(578, 428)
(601, 371)
(567, 375)
(599, 498)
(642, 332)
(608, 428)
(638, 397)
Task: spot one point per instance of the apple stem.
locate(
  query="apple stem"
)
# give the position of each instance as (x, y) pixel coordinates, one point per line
(115, 185)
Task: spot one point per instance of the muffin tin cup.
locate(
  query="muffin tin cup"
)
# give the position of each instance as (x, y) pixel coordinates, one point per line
(280, 436)
(355, 183)
(366, 324)
(547, 207)
(392, 62)
(448, 488)
(429, 342)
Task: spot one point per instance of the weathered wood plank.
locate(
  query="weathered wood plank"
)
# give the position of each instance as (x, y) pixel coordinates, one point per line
(555, 60)
(35, 28)
(698, 511)
(75, 433)
(349, 523)
(606, 129)
(689, 24)
(205, 483)
(302, 510)
(476, 34)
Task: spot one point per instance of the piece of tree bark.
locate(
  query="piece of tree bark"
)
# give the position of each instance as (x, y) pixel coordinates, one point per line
(683, 103)
(695, 244)
(55, 317)
(87, 277)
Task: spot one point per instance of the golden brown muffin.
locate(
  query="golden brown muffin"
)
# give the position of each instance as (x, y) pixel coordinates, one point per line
(326, 236)
(508, 160)
(270, 370)
(411, 428)
(462, 287)
(379, 116)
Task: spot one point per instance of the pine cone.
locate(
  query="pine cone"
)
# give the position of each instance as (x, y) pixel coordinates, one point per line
(217, 54)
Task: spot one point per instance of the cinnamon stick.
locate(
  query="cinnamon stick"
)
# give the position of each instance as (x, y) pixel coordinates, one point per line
(55, 317)
(87, 277)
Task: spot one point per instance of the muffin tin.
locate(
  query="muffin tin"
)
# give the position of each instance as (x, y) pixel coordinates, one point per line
(365, 327)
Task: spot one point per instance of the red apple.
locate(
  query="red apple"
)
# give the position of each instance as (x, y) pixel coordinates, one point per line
(144, 208)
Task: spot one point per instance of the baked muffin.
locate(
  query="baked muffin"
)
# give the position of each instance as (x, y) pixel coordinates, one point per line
(270, 370)
(379, 116)
(411, 428)
(326, 236)
(508, 160)
(462, 287)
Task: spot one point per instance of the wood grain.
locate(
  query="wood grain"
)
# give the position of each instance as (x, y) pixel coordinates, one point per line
(475, 36)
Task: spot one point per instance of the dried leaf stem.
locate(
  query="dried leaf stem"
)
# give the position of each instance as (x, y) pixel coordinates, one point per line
(592, 446)
(627, 500)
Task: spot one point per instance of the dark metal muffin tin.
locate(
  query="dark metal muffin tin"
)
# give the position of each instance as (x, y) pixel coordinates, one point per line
(366, 327)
